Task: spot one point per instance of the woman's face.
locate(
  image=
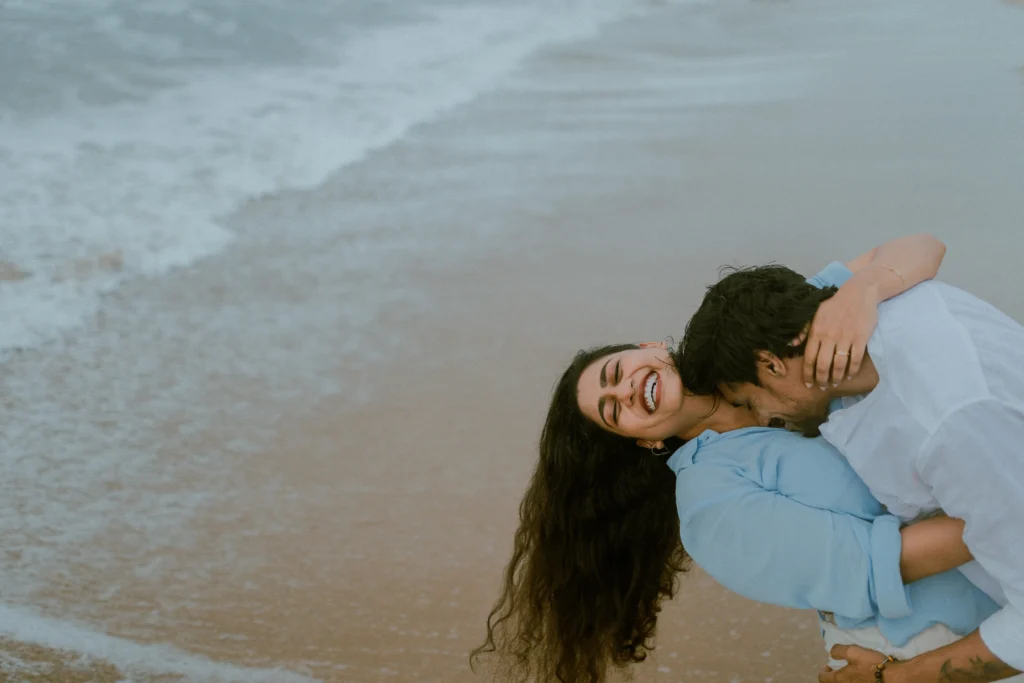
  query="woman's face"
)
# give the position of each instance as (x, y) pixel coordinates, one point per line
(635, 393)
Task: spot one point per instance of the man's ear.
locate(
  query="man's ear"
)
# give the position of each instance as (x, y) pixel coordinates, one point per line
(770, 364)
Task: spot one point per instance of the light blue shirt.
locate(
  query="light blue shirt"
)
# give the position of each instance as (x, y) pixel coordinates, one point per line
(783, 519)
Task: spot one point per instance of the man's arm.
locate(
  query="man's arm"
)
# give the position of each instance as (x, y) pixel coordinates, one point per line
(966, 661)
(932, 546)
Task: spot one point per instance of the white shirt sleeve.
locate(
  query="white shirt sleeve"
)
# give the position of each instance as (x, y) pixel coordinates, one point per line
(974, 465)
(1001, 633)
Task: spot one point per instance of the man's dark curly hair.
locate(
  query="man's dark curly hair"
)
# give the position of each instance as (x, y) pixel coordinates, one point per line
(749, 310)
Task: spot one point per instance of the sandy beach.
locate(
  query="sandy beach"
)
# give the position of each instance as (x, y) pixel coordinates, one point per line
(317, 476)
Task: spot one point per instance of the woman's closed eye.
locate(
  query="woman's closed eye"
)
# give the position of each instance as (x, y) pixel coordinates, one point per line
(616, 378)
(613, 413)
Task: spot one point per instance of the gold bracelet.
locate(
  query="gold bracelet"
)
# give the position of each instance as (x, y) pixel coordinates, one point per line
(893, 271)
(880, 667)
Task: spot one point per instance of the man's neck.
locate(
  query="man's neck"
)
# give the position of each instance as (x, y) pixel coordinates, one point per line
(863, 382)
(716, 414)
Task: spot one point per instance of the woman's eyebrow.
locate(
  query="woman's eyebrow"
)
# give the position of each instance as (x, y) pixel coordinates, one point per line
(604, 373)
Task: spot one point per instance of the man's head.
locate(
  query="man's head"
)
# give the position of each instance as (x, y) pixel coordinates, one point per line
(740, 342)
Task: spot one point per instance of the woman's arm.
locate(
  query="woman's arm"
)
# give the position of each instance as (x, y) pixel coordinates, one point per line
(771, 548)
(896, 266)
(931, 547)
(838, 335)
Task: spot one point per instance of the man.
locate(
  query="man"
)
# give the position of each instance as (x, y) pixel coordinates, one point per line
(933, 419)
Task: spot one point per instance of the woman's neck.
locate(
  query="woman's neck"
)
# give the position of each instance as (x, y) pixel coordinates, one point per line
(717, 414)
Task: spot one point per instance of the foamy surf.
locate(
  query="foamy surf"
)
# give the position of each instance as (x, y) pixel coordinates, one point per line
(131, 658)
(149, 135)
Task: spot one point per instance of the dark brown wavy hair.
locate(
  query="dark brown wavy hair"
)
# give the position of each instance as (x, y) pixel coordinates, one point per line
(596, 552)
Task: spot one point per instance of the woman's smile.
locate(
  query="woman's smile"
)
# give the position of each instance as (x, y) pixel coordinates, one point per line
(652, 391)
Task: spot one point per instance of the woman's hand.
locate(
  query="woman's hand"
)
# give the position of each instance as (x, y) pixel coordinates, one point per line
(838, 335)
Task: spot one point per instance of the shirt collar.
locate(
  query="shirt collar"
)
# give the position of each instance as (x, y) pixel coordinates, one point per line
(686, 455)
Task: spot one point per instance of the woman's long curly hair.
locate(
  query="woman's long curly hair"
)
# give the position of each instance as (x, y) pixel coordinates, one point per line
(596, 551)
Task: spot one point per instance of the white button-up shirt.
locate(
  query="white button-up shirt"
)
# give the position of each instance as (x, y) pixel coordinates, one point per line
(944, 428)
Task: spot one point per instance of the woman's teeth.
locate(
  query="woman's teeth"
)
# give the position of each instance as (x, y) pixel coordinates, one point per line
(649, 391)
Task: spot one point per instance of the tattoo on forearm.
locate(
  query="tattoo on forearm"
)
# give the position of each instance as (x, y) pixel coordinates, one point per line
(979, 671)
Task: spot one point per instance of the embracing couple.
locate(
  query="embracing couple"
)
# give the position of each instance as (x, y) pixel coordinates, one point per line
(898, 514)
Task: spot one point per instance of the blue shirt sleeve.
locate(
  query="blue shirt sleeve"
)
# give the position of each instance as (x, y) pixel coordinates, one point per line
(832, 275)
(770, 548)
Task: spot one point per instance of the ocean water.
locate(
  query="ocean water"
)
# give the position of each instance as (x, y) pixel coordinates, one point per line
(128, 129)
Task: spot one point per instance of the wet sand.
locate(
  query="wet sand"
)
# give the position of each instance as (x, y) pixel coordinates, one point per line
(587, 201)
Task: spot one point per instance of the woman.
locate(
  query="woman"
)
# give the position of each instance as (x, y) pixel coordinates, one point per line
(598, 545)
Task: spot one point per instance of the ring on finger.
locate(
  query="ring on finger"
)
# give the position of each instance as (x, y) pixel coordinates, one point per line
(842, 353)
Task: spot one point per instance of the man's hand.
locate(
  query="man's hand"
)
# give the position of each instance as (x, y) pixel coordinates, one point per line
(968, 660)
(860, 667)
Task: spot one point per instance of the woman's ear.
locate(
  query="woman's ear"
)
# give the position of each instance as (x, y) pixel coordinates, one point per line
(650, 445)
(653, 345)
